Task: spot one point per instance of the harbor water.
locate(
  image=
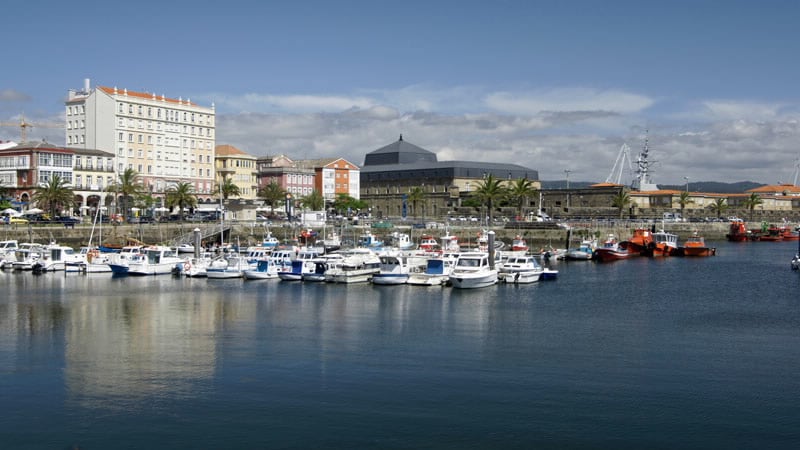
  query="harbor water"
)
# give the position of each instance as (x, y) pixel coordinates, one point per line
(642, 353)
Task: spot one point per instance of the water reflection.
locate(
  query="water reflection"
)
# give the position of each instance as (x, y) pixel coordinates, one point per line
(124, 340)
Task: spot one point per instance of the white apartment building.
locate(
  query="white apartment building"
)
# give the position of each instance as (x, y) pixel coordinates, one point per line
(165, 140)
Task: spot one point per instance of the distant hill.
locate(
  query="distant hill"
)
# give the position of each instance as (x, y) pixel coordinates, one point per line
(695, 186)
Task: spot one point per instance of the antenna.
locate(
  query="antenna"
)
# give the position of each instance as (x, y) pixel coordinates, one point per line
(796, 170)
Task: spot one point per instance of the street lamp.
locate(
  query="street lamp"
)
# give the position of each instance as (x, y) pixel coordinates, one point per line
(567, 171)
(687, 183)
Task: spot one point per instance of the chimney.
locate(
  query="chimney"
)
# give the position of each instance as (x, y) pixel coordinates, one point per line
(86, 85)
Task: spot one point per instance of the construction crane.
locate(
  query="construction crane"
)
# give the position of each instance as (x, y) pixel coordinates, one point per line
(619, 165)
(24, 125)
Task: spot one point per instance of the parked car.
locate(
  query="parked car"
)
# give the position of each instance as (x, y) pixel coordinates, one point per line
(17, 220)
(69, 220)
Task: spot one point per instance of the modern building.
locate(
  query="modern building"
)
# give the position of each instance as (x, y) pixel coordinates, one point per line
(166, 140)
(390, 172)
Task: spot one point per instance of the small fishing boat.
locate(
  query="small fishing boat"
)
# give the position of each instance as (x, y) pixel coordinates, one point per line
(696, 246)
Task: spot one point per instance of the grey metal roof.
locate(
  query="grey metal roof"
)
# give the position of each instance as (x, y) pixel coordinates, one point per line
(399, 152)
(450, 169)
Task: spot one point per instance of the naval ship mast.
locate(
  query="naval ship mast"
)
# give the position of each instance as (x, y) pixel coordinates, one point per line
(642, 180)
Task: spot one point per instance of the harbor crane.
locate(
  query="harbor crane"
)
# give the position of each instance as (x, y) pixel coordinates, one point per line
(24, 125)
(619, 165)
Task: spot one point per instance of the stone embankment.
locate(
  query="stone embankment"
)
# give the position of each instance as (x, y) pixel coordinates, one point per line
(243, 234)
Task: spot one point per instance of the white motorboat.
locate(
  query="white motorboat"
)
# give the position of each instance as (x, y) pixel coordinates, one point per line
(358, 265)
(154, 260)
(118, 262)
(302, 264)
(436, 272)
(195, 267)
(321, 265)
(7, 249)
(232, 266)
(55, 258)
(395, 268)
(472, 270)
(262, 270)
(519, 269)
(26, 255)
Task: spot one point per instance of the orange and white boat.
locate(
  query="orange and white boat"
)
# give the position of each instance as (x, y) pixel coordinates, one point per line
(737, 232)
(664, 244)
(639, 242)
(696, 246)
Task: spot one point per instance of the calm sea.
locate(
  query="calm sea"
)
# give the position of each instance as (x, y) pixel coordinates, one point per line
(644, 353)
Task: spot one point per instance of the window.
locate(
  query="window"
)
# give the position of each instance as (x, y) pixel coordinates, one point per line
(120, 107)
(139, 110)
(150, 140)
(141, 139)
(78, 181)
(149, 169)
(69, 110)
(130, 109)
(82, 138)
(130, 137)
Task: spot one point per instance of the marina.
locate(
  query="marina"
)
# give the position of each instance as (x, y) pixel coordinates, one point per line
(667, 352)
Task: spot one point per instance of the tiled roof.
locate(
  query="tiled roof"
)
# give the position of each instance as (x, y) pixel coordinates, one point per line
(145, 95)
(228, 150)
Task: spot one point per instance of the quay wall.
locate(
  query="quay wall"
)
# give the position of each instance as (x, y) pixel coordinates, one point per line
(243, 234)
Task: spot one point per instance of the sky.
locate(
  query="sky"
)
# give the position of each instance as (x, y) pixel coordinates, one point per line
(554, 86)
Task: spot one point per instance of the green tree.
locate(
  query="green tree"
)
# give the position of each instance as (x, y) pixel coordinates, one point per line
(621, 201)
(54, 195)
(719, 206)
(683, 200)
(228, 188)
(181, 196)
(416, 194)
(520, 193)
(129, 186)
(344, 203)
(751, 203)
(313, 201)
(273, 194)
(4, 192)
(489, 191)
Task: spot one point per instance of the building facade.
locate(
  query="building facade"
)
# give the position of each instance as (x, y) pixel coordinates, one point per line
(165, 140)
(31, 164)
(239, 167)
(391, 172)
(93, 174)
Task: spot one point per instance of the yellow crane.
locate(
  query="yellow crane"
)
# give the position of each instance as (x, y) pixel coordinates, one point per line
(24, 125)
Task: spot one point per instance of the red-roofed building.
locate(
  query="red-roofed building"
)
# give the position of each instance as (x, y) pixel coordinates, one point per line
(165, 140)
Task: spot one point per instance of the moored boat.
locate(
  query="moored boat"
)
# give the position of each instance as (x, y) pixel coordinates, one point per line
(473, 270)
(519, 269)
(664, 244)
(695, 246)
(611, 250)
(737, 231)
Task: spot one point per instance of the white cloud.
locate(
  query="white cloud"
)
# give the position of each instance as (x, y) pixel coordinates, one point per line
(567, 100)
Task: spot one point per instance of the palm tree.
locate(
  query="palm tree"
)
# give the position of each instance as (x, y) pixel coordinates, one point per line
(751, 203)
(683, 200)
(54, 195)
(228, 188)
(621, 201)
(273, 194)
(520, 193)
(182, 196)
(719, 206)
(313, 201)
(416, 194)
(489, 191)
(129, 186)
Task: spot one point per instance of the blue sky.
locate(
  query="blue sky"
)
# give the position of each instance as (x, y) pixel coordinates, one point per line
(551, 85)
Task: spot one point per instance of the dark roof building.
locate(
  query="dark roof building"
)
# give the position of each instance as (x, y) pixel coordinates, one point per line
(390, 172)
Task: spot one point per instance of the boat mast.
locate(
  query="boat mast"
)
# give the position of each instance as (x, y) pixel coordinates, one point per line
(642, 181)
